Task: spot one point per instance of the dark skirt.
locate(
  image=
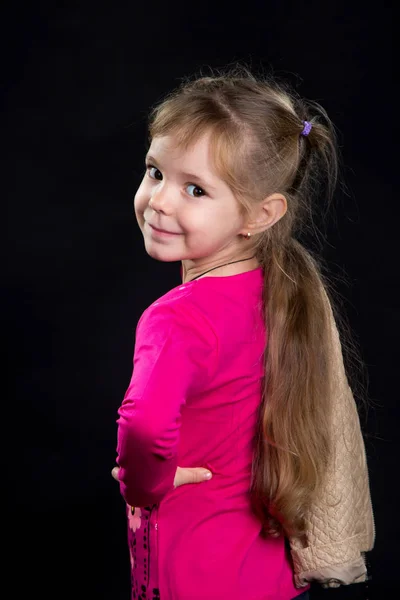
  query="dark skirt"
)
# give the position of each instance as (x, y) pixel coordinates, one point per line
(303, 596)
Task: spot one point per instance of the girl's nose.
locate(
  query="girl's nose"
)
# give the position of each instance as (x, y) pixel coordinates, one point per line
(161, 199)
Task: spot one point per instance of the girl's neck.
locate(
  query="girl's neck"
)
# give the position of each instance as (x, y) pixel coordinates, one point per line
(225, 270)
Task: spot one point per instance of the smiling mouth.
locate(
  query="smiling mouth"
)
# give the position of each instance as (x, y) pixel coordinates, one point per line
(163, 231)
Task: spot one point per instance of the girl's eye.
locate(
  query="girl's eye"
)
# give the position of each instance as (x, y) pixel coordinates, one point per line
(154, 173)
(197, 191)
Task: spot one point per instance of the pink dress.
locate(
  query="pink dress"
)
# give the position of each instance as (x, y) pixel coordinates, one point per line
(193, 401)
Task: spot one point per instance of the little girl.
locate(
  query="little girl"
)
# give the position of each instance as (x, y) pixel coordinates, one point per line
(239, 370)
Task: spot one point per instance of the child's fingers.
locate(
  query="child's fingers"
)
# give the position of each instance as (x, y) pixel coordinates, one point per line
(115, 472)
(188, 475)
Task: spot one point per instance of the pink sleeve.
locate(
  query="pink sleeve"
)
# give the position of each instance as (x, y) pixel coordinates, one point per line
(175, 353)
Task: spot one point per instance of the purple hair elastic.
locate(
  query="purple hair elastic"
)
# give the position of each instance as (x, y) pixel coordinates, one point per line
(307, 128)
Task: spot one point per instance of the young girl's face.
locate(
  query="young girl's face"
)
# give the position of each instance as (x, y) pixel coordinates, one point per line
(182, 194)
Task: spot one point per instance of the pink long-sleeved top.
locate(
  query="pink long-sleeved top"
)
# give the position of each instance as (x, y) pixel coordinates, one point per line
(192, 402)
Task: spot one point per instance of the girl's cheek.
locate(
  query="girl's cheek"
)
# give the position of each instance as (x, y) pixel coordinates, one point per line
(142, 196)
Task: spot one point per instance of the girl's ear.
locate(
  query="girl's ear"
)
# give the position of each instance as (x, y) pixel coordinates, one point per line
(267, 213)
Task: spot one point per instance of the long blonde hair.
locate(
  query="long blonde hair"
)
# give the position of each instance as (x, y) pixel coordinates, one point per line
(256, 125)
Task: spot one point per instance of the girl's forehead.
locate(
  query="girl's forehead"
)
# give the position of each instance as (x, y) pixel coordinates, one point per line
(182, 143)
(165, 143)
(168, 146)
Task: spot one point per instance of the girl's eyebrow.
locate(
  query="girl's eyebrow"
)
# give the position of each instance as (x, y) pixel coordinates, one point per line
(189, 176)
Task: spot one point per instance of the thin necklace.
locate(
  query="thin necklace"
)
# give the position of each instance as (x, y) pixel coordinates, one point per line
(229, 263)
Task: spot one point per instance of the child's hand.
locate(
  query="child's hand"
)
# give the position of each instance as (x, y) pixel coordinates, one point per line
(182, 475)
(187, 475)
(115, 472)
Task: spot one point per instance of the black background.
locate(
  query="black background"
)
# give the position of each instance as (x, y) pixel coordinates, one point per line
(77, 83)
